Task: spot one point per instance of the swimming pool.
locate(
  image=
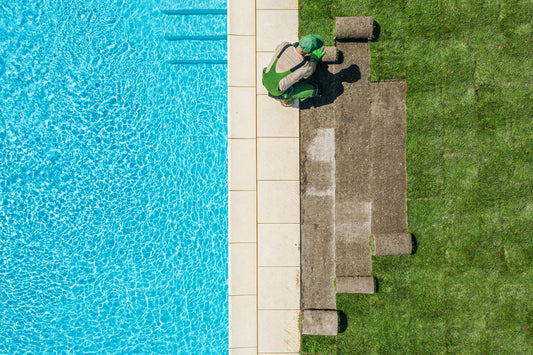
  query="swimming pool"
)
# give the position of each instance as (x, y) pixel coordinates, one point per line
(113, 177)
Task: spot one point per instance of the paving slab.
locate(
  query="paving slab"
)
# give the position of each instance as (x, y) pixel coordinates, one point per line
(241, 60)
(278, 331)
(241, 112)
(242, 216)
(278, 288)
(278, 245)
(243, 321)
(241, 17)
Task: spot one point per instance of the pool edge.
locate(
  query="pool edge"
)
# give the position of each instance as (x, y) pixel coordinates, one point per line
(263, 184)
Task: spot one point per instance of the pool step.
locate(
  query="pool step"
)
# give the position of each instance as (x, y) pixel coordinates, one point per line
(221, 37)
(195, 12)
(194, 38)
(197, 61)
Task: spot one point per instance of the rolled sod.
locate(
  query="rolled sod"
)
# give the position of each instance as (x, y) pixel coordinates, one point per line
(331, 56)
(393, 244)
(319, 322)
(354, 28)
(355, 284)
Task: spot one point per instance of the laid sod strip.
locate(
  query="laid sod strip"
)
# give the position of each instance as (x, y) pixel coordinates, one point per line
(470, 175)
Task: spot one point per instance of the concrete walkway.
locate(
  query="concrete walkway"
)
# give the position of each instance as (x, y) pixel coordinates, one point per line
(353, 182)
(264, 204)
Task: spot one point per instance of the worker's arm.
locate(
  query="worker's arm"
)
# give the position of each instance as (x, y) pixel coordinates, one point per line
(316, 56)
(313, 65)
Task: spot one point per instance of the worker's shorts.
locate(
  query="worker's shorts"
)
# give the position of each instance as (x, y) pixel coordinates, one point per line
(301, 91)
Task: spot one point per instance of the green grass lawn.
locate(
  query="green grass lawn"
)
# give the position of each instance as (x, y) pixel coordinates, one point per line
(469, 71)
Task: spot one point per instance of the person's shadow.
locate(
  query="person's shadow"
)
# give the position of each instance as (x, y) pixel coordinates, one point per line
(331, 84)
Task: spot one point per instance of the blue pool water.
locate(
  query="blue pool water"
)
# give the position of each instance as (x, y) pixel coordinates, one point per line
(113, 178)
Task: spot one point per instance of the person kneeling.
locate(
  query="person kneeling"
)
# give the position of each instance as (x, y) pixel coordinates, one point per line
(288, 66)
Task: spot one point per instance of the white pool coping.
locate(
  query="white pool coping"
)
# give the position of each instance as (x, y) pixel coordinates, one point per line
(264, 186)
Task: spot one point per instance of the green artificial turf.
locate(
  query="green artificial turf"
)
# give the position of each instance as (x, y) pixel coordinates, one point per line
(468, 65)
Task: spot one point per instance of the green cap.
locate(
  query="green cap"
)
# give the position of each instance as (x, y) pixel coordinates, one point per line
(310, 43)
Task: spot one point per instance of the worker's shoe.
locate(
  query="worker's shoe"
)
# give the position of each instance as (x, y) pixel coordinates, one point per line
(317, 92)
(287, 102)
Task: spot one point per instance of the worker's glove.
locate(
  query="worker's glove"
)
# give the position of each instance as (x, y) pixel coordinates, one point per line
(318, 54)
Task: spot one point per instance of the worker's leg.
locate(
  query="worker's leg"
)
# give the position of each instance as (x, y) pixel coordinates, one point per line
(302, 91)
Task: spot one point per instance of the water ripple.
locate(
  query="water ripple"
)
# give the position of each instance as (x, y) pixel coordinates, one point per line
(113, 182)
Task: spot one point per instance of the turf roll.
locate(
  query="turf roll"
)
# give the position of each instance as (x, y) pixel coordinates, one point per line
(354, 28)
(319, 322)
(355, 284)
(393, 244)
(331, 56)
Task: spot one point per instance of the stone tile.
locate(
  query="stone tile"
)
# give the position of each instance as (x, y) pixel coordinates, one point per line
(243, 351)
(241, 60)
(242, 321)
(242, 269)
(263, 59)
(278, 288)
(277, 4)
(278, 245)
(241, 17)
(278, 159)
(278, 202)
(275, 26)
(274, 120)
(242, 209)
(278, 331)
(242, 164)
(241, 112)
